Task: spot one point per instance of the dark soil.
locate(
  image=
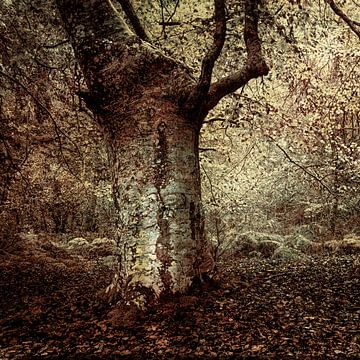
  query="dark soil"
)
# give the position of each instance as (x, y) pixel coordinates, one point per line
(51, 308)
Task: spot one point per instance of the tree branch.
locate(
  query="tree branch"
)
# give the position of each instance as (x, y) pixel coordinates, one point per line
(255, 65)
(169, 23)
(134, 20)
(92, 25)
(58, 130)
(53, 46)
(206, 149)
(291, 160)
(203, 85)
(98, 35)
(352, 24)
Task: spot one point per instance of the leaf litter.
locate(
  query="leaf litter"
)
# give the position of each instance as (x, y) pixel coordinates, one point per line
(256, 308)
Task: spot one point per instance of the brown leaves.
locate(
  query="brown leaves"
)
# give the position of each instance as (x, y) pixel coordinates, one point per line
(308, 309)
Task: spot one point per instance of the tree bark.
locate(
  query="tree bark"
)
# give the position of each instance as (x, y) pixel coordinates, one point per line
(135, 93)
(151, 110)
(156, 181)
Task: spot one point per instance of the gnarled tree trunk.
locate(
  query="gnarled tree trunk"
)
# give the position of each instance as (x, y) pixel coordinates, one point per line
(156, 183)
(151, 110)
(135, 93)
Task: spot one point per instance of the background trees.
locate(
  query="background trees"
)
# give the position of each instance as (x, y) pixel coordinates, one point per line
(51, 151)
(278, 155)
(280, 166)
(286, 158)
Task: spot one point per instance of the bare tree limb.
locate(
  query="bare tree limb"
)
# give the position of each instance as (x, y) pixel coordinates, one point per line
(291, 160)
(53, 46)
(169, 23)
(163, 32)
(134, 19)
(214, 200)
(255, 65)
(58, 130)
(203, 85)
(216, 119)
(173, 13)
(352, 24)
(81, 21)
(206, 149)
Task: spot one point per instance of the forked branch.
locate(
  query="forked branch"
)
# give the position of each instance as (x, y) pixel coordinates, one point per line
(211, 56)
(255, 65)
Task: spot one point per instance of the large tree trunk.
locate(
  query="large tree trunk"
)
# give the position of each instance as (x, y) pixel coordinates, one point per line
(156, 183)
(135, 93)
(151, 110)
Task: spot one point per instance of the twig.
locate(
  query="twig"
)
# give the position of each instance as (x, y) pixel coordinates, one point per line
(134, 20)
(206, 149)
(302, 167)
(210, 183)
(52, 46)
(352, 24)
(56, 127)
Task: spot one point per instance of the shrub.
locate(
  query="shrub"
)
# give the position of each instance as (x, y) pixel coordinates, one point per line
(287, 253)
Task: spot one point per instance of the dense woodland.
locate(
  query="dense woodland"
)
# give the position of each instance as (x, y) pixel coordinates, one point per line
(179, 179)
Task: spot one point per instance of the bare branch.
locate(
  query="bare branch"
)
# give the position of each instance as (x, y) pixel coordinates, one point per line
(212, 120)
(134, 19)
(210, 185)
(174, 12)
(95, 28)
(169, 23)
(82, 21)
(291, 160)
(53, 46)
(212, 55)
(58, 130)
(255, 64)
(352, 24)
(201, 149)
(163, 19)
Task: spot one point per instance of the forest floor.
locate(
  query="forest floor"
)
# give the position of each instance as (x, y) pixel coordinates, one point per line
(261, 309)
